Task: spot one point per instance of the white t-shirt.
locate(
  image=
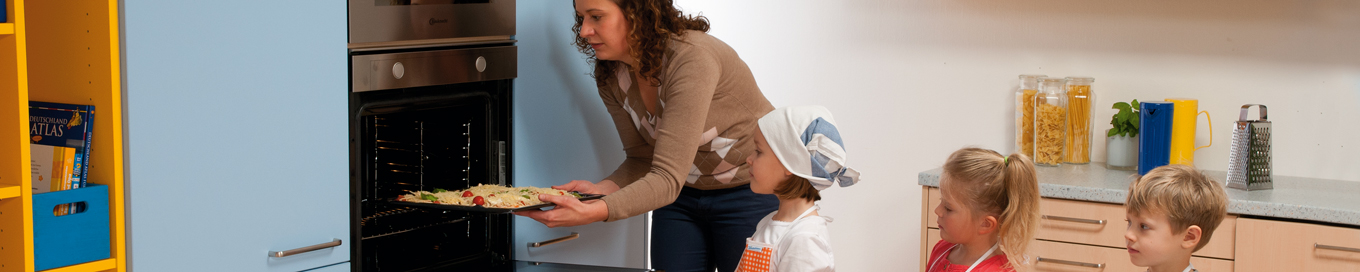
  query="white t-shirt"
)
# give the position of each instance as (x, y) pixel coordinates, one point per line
(805, 243)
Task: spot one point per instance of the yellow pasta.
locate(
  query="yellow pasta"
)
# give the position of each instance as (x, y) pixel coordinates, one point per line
(1025, 139)
(1078, 148)
(1048, 136)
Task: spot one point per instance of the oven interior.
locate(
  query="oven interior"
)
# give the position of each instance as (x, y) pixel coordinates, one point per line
(450, 137)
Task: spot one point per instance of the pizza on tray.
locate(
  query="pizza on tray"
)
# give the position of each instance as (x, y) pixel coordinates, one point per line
(490, 196)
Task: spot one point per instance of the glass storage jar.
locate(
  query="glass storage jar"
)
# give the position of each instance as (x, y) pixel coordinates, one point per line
(1077, 147)
(1024, 113)
(1050, 121)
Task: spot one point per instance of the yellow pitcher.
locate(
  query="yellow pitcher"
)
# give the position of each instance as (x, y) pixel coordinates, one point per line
(1183, 130)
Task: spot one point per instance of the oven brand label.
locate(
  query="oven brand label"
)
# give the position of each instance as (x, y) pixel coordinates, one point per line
(438, 21)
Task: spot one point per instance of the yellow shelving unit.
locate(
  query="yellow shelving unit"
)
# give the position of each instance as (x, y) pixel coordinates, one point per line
(64, 52)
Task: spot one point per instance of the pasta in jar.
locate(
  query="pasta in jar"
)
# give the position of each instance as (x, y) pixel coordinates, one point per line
(1050, 122)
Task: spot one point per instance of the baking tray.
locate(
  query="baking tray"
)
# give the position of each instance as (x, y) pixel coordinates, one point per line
(480, 209)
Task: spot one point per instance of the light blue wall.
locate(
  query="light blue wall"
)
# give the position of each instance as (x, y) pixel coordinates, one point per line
(562, 131)
(236, 131)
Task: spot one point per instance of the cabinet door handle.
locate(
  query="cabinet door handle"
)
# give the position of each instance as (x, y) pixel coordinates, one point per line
(556, 240)
(1078, 220)
(1066, 262)
(1322, 246)
(300, 250)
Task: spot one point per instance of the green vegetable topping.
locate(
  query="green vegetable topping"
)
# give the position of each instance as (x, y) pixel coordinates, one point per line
(429, 197)
(525, 196)
(578, 195)
(437, 190)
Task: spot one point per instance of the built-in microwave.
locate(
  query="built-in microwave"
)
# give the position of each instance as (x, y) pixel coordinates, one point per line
(388, 23)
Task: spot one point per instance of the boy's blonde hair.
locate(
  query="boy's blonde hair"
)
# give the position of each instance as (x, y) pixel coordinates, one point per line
(1005, 186)
(1186, 196)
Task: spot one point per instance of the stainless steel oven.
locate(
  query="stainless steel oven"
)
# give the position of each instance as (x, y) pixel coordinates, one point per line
(429, 107)
(388, 23)
(422, 120)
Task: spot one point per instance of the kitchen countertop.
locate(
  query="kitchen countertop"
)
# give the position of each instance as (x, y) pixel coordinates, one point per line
(1322, 200)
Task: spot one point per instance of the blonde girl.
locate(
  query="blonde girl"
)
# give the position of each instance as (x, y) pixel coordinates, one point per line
(988, 213)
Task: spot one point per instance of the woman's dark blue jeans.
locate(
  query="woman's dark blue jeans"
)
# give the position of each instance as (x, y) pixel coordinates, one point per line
(707, 229)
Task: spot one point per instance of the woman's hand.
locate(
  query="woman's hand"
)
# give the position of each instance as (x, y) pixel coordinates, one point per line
(569, 211)
(581, 186)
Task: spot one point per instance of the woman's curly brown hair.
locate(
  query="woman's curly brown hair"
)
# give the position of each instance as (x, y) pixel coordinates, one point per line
(654, 22)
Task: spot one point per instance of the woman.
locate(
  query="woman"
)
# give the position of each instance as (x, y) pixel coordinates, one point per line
(685, 107)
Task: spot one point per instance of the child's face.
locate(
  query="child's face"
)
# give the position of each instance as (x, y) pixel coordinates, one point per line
(1151, 241)
(959, 224)
(766, 171)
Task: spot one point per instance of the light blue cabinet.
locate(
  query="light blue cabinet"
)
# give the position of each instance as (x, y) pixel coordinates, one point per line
(562, 132)
(237, 139)
(340, 267)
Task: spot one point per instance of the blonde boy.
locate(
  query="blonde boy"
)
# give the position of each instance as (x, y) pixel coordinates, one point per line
(1172, 212)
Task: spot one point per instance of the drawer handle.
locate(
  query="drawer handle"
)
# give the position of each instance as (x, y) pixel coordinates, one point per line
(556, 240)
(1322, 246)
(1078, 220)
(296, 251)
(1066, 262)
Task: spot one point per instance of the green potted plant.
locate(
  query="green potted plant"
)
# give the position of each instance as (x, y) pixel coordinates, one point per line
(1121, 141)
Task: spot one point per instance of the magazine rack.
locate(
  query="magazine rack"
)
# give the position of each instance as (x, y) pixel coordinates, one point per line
(63, 52)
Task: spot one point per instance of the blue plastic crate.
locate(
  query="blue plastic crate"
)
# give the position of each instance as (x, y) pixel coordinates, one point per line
(75, 238)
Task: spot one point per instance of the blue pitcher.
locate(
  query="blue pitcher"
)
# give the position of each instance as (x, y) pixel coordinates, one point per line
(1154, 135)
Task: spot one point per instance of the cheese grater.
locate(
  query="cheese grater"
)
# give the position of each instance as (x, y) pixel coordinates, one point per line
(1249, 159)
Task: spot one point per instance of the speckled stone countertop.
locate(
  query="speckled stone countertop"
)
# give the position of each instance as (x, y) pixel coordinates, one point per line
(1331, 201)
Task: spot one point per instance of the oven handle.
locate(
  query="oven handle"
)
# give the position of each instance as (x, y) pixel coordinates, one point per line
(573, 236)
(296, 251)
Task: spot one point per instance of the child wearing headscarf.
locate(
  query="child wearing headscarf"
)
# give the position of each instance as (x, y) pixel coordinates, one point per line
(799, 152)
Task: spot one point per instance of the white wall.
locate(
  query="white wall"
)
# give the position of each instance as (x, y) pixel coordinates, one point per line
(911, 81)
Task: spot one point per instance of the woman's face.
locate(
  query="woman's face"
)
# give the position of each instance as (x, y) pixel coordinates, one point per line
(766, 171)
(604, 26)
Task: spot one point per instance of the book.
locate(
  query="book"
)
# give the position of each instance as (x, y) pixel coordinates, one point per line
(60, 134)
(64, 131)
(46, 167)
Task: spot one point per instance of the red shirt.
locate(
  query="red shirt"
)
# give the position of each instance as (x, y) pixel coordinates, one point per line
(942, 248)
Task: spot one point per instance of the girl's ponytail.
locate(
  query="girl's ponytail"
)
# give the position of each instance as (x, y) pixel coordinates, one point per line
(1020, 218)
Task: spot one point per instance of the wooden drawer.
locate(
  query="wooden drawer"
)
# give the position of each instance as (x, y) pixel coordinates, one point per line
(1111, 259)
(1058, 256)
(1103, 224)
(1268, 245)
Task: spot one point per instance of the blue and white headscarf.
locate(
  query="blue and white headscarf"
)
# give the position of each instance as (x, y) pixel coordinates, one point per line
(806, 141)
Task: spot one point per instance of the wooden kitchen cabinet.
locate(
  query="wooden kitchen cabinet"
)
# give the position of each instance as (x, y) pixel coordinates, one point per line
(63, 52)
(1103, 224)
(1060, 256)
(1270, 245)
(237, 133)
(1089, 236)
